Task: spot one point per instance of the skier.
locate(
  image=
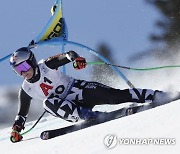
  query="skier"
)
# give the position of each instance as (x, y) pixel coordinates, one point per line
(64, 96)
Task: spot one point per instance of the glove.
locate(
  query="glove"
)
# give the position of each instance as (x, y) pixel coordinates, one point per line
(79, 63)
(17, 127)
(15, 134)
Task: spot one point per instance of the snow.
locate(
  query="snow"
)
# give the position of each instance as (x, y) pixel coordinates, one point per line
(159, 123)
(154, 124)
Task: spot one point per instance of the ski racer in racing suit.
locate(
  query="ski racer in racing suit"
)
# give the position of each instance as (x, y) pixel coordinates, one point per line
(64, 96)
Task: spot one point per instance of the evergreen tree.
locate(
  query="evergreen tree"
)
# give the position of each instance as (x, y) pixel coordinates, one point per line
(169, 24)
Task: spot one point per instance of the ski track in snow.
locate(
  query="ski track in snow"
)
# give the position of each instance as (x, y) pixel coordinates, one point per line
(161, 122)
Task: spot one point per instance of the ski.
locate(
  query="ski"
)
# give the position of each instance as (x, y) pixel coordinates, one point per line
(105, 117)
(102, 118)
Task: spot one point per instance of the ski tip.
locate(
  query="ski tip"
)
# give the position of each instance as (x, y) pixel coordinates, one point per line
(44, 135)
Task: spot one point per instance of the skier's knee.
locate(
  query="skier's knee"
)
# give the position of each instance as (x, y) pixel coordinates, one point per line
(64, 109)
(141, 95)
(49, 107)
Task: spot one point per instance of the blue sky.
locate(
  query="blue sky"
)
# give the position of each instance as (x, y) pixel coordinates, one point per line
(123, 24)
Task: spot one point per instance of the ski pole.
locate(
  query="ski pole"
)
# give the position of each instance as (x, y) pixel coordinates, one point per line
(34, 124)
(4, 58)
(134, 69)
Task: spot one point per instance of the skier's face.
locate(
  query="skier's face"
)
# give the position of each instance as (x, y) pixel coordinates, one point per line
(28, 75)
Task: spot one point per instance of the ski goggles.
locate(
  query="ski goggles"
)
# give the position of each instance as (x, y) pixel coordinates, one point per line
(23, 67)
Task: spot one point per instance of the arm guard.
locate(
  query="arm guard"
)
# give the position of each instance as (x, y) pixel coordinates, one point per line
(24, 104)
(59, 60)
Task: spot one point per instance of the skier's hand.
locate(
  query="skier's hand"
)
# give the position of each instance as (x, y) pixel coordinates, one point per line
(79, 63)
(15, 134)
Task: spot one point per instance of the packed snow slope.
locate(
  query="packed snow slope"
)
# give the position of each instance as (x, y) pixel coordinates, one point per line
(157, 124)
